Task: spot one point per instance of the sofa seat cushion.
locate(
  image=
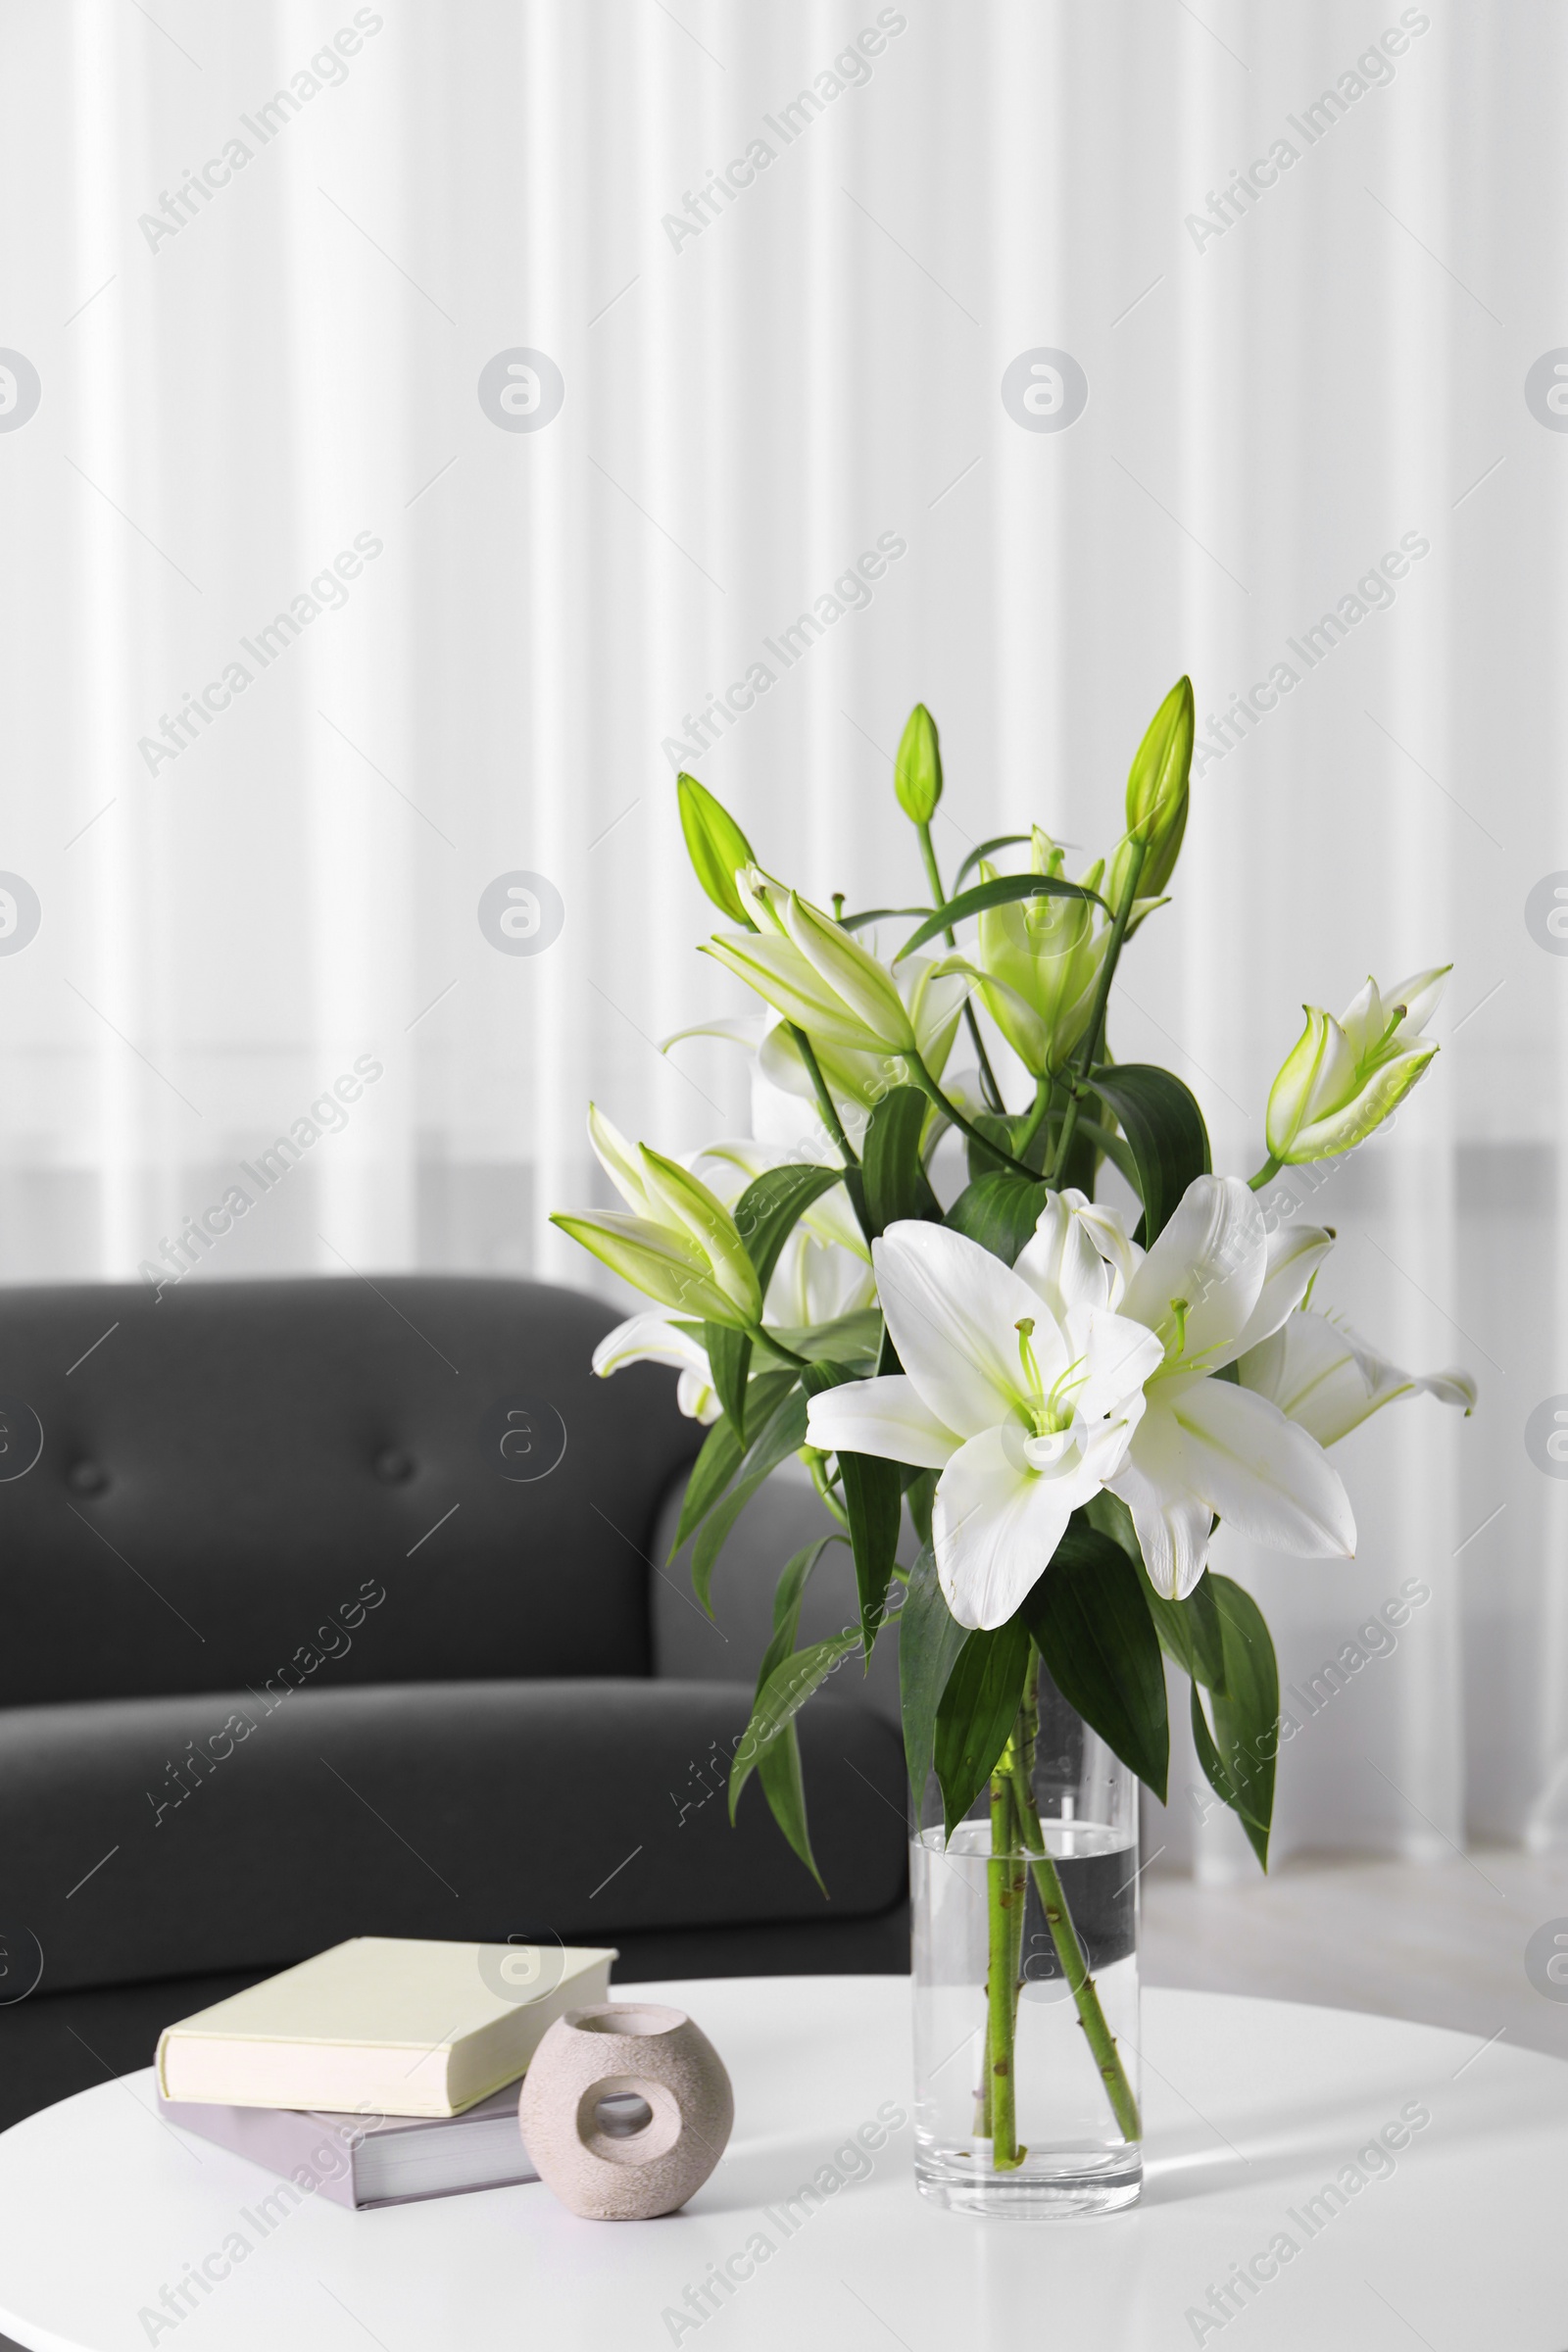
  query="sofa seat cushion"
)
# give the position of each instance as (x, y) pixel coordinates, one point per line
(159, 1838)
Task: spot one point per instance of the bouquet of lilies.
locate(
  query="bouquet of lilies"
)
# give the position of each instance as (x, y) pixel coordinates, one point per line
(1064, 1395)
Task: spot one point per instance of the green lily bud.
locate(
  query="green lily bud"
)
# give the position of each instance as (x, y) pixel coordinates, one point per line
(687, 1204)
(814, 973)
(1157, 788)
(1341, 1079)
(664, 1264)
(917, 769)
(715, 845)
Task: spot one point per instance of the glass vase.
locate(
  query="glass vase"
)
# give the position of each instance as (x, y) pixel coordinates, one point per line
(1025, 1966)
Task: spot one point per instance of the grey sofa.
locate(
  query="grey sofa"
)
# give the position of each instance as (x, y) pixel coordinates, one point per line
(335, 1608)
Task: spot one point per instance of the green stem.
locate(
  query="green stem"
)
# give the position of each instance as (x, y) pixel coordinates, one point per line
(1002, 1908)
(1064, 1936)
(928, 1085)
(825, 1103)
(1097, 1019)
(1265, 1174)
(987, 1077)
(829, 1112)
(1036, 1115)
(776, 1347)
(816, 1463)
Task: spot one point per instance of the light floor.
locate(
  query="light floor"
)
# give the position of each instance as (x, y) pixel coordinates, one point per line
(1439, 1942)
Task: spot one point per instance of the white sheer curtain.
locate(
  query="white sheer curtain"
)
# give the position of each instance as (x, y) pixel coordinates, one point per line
(241, 380)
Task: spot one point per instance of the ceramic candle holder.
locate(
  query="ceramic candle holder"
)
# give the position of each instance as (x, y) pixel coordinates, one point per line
(624, 2110)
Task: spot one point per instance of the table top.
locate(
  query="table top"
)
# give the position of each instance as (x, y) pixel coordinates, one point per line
(1252, 2107)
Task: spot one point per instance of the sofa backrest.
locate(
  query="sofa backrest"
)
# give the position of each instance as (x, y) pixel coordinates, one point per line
(322, 1482)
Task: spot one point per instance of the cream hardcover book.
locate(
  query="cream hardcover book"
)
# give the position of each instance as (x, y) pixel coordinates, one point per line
(381, 2026)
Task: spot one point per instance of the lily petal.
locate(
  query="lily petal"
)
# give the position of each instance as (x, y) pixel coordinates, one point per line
(1061, 1261)
(997, 1525)
(1212, 1256)
(1116, 1356)
(1261, 1473)
(1172, 1527)
(1328, 1380)
(952, 1308)
(1294, 1254)
(887, 1417)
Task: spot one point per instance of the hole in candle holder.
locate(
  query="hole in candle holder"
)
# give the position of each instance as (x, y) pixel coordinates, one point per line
(620, 2114)
(624, 2119)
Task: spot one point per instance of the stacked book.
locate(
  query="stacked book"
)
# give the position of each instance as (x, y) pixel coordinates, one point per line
(384, 2070)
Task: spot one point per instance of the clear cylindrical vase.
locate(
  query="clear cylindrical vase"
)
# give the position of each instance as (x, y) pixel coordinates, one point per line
(1025, 1966)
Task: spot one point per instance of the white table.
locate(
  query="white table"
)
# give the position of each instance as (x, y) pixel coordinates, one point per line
(1250, 2106)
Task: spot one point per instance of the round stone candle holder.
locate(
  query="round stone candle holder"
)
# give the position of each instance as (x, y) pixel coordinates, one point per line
(624, 2110)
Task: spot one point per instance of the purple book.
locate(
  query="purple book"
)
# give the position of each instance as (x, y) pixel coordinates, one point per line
(360, 2160)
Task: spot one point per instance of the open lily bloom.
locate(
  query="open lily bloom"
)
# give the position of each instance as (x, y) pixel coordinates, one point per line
(1328, 1381)
(1213, 1286)
(1020, 1385)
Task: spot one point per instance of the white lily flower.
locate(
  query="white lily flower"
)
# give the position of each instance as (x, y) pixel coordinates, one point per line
(652, 1340)
(1328, 1380)
(1019, 1384)
(1214, 1284)
(1341, 1078)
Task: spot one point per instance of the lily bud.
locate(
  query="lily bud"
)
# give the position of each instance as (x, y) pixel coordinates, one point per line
(815, 973)
(1343, 1078)
(684, 1203)
(1037, 964)
(917, 769)
(1157, 785)
(715, 845)
(664, 1263)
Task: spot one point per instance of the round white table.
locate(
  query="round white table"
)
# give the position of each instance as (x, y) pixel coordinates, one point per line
(1252, 2109)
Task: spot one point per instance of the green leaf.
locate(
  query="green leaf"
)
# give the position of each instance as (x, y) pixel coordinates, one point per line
(918, 1496)
(896, 1182)
(853, 1339)
(711, 1472)
(1005, 891)
(872, 1500)
(1089, 1624)
(782, 1433)
(722, 1449)
(978, 1709)
(729, 1359)
(1189, 1630)
(1165, 1130)
(877, 914)
(781, 1698)
(988, 849)
(1000, 1212)
(1110, 1146)
(930, 1638)
(788, 1595)
(997, 1131)
(768, 1210)
(779, 1768)
(1247, 1713)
